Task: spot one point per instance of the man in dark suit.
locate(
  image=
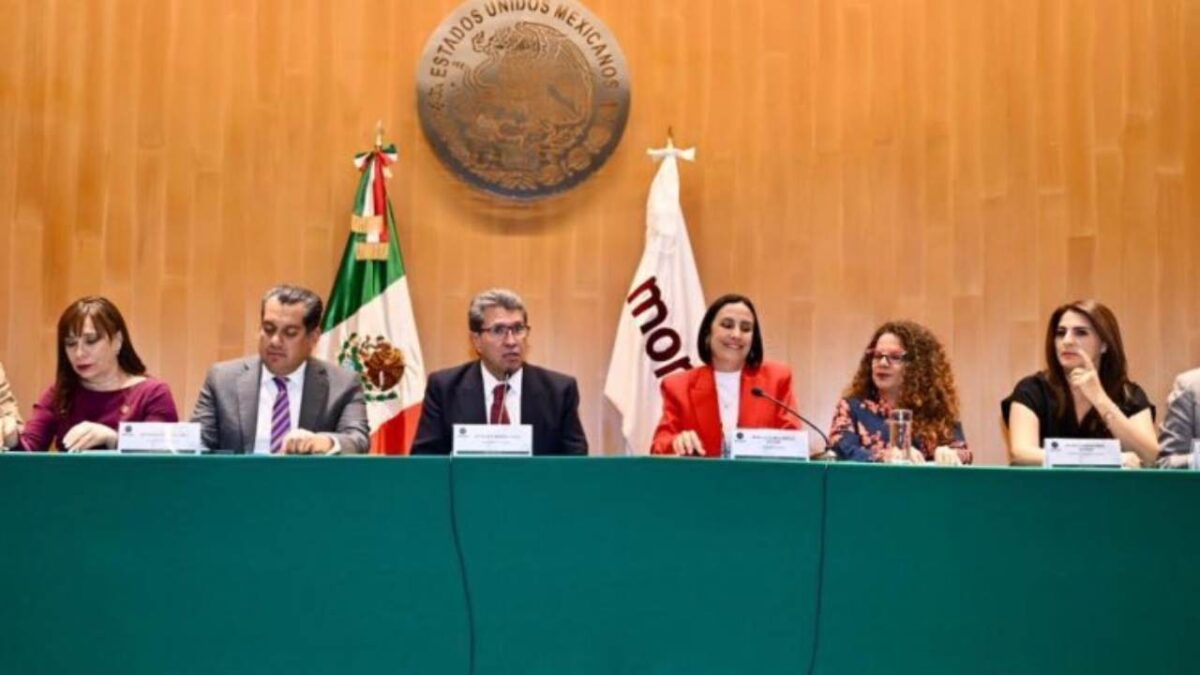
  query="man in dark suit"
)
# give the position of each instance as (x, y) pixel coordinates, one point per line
(499, 387)
(283, 400)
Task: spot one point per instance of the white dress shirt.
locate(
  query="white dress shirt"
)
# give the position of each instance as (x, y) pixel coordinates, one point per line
(729, 400)
(512, 397)
(267, 392)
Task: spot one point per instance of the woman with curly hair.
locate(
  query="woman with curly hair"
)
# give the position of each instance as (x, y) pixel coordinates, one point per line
(904, 367)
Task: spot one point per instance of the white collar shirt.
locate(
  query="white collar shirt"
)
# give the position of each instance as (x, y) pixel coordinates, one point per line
(512, 397)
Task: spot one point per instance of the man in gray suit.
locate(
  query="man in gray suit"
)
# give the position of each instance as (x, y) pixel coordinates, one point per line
(1181, 424)
(283, 400)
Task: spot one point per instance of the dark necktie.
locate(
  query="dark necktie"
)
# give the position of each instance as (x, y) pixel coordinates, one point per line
(499, 412)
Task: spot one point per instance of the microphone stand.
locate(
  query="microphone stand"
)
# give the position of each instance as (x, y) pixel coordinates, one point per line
(759, 393)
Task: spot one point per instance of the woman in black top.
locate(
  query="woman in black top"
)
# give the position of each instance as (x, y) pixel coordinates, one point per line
(1084, 392)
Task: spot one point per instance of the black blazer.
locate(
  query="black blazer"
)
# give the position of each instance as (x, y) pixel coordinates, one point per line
(549, 402)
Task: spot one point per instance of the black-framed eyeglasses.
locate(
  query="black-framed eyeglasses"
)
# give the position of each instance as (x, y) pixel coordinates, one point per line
(500, 330)
(887, 358)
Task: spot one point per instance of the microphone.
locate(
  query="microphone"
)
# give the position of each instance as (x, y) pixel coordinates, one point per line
(758, 392)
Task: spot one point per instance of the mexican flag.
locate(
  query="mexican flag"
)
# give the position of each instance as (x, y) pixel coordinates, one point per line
(369, 325)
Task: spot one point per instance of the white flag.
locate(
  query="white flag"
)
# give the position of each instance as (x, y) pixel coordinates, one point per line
(660, 315)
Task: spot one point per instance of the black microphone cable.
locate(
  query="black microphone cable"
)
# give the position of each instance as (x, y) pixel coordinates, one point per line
(816, 636)
(759, 393)
(462, 569)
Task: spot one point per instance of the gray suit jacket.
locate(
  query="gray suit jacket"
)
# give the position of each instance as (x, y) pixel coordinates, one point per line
(1181, 424)
(332, 402)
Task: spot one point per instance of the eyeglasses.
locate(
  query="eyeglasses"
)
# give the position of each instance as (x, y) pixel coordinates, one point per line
(500, 330)
(887, 358)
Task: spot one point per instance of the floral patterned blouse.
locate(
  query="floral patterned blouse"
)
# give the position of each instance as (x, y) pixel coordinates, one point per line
(860, 434)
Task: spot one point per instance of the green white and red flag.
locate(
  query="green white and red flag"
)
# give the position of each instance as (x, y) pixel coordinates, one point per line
(369, 325)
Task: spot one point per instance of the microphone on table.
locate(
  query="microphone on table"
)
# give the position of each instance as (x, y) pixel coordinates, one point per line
(758, 392)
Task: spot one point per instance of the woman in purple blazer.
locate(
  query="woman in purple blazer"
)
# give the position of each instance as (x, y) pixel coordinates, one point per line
(100, 383)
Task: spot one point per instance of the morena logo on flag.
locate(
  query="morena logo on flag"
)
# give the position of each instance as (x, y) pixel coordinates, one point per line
(654, 330)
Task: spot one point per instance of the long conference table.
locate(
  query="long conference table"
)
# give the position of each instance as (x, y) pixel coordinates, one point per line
(230, 565)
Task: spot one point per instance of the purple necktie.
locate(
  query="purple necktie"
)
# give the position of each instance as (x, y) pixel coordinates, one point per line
(281, 416)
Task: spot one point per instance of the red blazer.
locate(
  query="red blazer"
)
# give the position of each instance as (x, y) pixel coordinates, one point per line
(690, 403)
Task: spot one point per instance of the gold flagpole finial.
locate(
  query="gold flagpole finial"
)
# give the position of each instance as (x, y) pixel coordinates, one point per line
(670, 134)
(379, 134)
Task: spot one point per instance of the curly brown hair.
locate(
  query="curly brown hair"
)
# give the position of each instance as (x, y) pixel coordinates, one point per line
(928, 388)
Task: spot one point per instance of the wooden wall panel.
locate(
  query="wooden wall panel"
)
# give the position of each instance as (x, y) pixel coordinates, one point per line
(969, 165)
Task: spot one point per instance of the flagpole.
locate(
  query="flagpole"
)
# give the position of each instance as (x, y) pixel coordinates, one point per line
(666, 276)
(369, 324)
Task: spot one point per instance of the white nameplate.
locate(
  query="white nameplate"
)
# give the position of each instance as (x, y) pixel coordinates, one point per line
(769, 444)
(1194, 459)
(1083, 452)
(159, 437)
(502, 440)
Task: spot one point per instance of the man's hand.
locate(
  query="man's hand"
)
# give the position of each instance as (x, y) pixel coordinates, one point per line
(304, 442)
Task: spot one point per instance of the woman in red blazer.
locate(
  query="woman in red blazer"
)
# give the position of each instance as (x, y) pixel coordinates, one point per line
(703, 406)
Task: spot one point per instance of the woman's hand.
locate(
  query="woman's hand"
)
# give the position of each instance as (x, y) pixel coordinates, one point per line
(896, 456)
(89, 436)
(687, 443)
(1086, 381)
(945, 455)
(1130, 460)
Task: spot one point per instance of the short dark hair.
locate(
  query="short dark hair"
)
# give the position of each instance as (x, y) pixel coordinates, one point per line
(287, 294)
(754, 357)
(494, 297)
